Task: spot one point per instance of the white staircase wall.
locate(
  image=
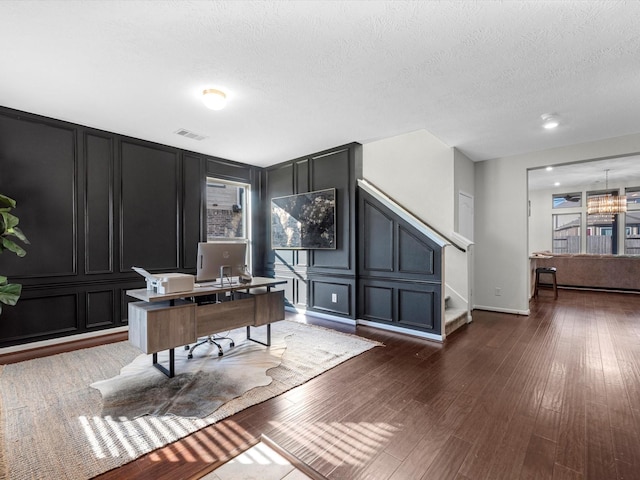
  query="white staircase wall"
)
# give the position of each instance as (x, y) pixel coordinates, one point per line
(416, 170)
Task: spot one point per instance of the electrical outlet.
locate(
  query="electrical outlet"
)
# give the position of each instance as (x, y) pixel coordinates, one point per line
(334, 297)
(498, 291)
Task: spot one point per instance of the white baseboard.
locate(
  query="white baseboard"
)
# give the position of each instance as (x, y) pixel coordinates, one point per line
(502, 310)
(406, 331)
(61, 340)
(325, 316)
(381, 326)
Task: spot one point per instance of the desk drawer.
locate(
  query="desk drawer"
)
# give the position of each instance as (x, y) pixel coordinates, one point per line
(269, 307)
(220, 317)
(154, 327)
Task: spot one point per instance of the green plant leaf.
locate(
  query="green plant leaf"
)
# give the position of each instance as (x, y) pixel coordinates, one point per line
(7, 202)
(18, 233)
(13, 247)
(10, 293)
(3, 280)
(9, 220)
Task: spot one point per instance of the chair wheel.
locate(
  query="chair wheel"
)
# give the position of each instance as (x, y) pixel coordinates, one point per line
(232, 344)
(190, 356)
(220, 353)
(186, 347)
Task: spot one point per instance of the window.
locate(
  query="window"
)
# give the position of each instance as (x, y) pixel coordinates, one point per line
(600, 230)
(566, 233)
(633, 197)
(567, 200)
(227, 210)
(632, 233)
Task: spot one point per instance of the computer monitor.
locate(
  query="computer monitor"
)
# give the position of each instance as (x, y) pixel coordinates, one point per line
(220, 262)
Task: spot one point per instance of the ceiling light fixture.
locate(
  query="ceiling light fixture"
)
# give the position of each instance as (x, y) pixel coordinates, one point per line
(550, 120)
(607, 203)
(214, 99)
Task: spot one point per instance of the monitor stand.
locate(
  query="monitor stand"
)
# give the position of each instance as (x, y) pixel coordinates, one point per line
(225, 271)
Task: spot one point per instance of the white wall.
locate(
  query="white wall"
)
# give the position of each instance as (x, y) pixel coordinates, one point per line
(424, 175)
(416, 170)
(501, 250)
(463, 179)
(540, 220)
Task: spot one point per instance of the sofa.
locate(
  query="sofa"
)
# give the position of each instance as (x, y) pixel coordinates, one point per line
(611, 272)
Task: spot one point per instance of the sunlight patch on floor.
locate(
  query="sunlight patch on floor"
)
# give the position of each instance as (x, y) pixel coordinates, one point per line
(257, 463)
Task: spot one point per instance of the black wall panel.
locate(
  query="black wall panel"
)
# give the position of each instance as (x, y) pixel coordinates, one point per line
(149, 207)
(301, 174)
(46, 316)
(225, 169)
(377, 303)
(417, 308)
(38, 164)
(332, 297)
(93, 204)
(100, 308)
(315, 275)
(378, 245)
(400, 270)
(279, 181)
(193, 226)
(414, 305)
(418, 257)
(98, 158)
(335, 170)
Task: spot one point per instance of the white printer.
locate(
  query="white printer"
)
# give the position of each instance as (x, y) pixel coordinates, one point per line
(167, 282)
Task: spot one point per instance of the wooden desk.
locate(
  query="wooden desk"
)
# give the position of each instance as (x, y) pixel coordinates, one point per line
(166, 321)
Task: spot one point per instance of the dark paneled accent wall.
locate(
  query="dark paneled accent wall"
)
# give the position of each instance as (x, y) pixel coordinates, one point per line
(318, 280)
(98, 208)
(149, 205)
(94, 204)
(400, 270)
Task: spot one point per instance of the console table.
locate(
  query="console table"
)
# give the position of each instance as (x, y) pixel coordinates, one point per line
(165, 321)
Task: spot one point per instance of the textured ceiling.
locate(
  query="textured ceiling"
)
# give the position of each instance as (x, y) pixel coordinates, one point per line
(306, 76)
(592, 175)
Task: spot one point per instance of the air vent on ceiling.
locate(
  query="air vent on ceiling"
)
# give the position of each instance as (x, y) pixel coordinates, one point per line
(186, 133)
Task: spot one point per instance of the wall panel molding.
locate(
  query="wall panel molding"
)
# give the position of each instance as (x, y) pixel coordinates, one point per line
(98, 203)
(93, 203)
(100, 308)
(316, 275)
(150, 202)
(39, 161)
(400, 270)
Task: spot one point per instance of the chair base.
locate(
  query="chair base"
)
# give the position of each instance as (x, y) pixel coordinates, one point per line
(211, 340)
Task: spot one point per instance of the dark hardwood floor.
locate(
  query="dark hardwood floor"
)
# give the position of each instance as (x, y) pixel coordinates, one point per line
(555, 395)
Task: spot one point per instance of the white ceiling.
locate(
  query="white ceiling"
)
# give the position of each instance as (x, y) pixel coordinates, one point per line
(591, 175)
(310, 75)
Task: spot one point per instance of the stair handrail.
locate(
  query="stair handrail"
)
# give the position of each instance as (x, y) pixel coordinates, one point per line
(408, 215)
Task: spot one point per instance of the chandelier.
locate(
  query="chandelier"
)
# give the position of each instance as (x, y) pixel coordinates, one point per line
(606, 204)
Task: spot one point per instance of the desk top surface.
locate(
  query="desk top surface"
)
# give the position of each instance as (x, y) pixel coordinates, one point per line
(151, 296)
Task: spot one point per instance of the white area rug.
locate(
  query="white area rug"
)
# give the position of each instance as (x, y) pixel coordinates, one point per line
(53, 424)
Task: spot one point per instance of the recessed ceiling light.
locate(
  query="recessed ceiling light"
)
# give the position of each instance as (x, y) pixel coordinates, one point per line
(550, 120)
(214, 99)
(548, 169)
(557, 184)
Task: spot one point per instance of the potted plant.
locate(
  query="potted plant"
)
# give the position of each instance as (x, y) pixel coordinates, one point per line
(9, 292)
